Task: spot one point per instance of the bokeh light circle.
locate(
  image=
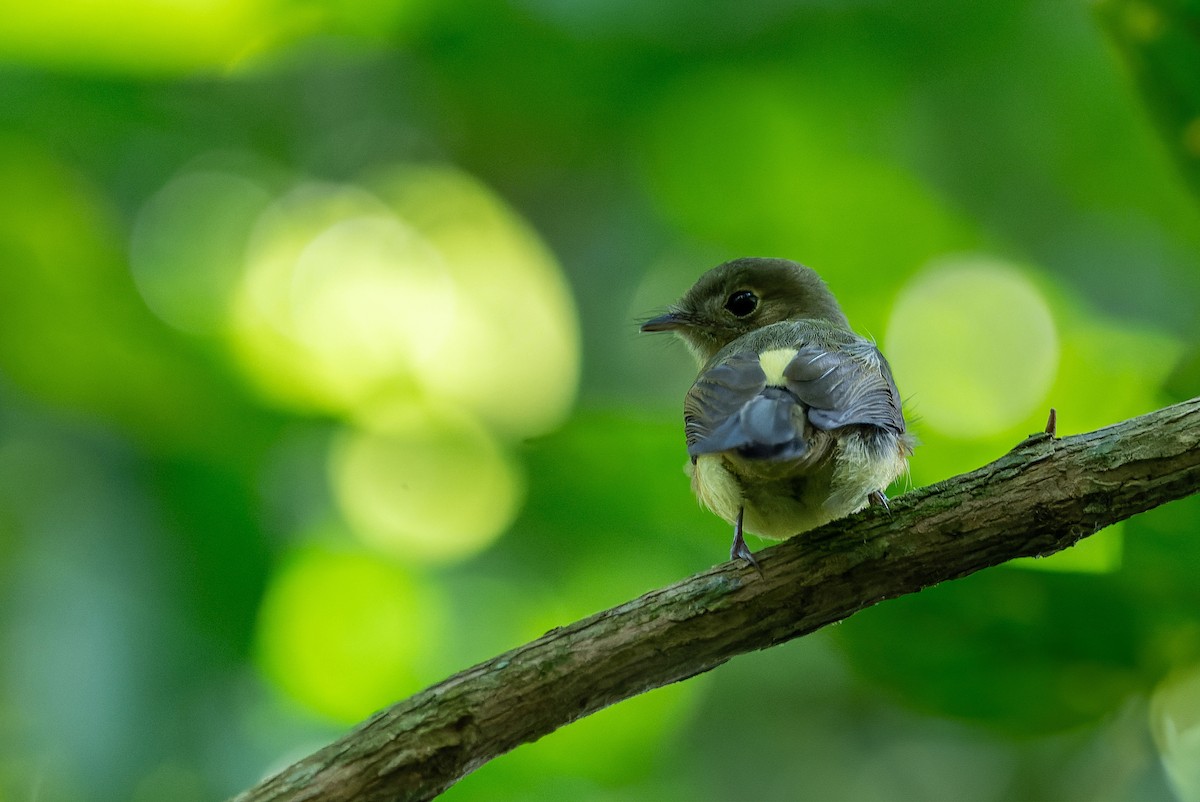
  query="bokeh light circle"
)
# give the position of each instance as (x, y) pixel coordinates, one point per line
(346, 633)
(370, 300)
(275, 352)
(973, 342)
(512, 356)
(419, 285)
(426, 487)
(188, 246)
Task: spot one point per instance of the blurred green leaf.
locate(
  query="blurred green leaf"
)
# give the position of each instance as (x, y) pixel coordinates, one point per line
(769, 161)
(1021, 652)
(76, 334)
(642, 144)
(1160, 40)
(1029, 652)
(214, 518)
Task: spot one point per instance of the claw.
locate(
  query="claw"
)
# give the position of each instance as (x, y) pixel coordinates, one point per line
(739, 549)
(879, 499)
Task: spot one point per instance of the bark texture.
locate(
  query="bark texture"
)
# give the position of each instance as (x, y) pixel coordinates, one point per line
(1043, 496)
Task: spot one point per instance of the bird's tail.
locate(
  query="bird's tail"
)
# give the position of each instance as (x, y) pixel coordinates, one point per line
(770, 426)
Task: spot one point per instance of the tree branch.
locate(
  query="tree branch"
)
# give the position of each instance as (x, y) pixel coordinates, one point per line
(1041, 497)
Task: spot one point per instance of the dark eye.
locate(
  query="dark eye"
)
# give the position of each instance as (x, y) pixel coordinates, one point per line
(742, 303)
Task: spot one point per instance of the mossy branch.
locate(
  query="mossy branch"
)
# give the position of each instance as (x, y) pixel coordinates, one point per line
(1043, 496)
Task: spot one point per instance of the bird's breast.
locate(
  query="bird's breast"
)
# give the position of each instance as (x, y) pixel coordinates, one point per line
(784, 498)
(778, 503)
(716, 486)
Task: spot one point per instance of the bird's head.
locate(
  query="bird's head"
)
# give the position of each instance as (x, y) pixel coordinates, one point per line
(740, 296)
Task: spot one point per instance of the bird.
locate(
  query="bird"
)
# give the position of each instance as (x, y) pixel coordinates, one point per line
(793, 420)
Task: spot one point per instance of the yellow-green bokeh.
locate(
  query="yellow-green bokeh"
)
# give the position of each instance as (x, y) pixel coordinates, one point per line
(512, 355)
(345, 633)
(1110, 369)
(425, 486)
(981, 358)
(370, 303)
(75, 334)
(264, 331)
(187, 248)
(974, 346)
(422, 289)
(144, 36)
(282, 267)
(156, 38)
(1099, 554)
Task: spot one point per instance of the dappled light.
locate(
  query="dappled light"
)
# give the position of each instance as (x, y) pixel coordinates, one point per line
(321, 380)
(265, 333)
(512, 355)
(426, 487)
(426, 290)
(143, 35)
(345, 633)
(975, 344)
(188, 280)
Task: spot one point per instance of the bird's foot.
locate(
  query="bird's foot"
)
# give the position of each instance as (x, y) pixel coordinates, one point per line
(739, 550)
(878, 498)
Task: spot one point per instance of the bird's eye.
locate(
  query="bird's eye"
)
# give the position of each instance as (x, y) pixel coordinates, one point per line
(742, 303)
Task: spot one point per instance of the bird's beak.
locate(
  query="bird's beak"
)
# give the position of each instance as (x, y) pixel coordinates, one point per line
(668, 322)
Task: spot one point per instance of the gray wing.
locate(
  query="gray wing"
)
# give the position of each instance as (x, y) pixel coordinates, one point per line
(713, 407)
(731, 407)
(849, 386)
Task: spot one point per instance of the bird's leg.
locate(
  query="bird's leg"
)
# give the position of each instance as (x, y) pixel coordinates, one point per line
(739, 549)
(879, 499)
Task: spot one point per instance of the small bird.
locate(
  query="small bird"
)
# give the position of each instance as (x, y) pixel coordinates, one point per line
(794, 420)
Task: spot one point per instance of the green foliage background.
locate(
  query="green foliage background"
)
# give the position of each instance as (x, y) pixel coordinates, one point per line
(320, 380)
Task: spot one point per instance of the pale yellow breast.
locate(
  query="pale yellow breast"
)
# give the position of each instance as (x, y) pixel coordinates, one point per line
(770, 509)
(777, 507)
(716, 487)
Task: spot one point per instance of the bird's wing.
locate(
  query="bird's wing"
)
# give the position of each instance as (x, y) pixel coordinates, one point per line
(713, 404)
(735, 405)
(845, 386)
(749, 405)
